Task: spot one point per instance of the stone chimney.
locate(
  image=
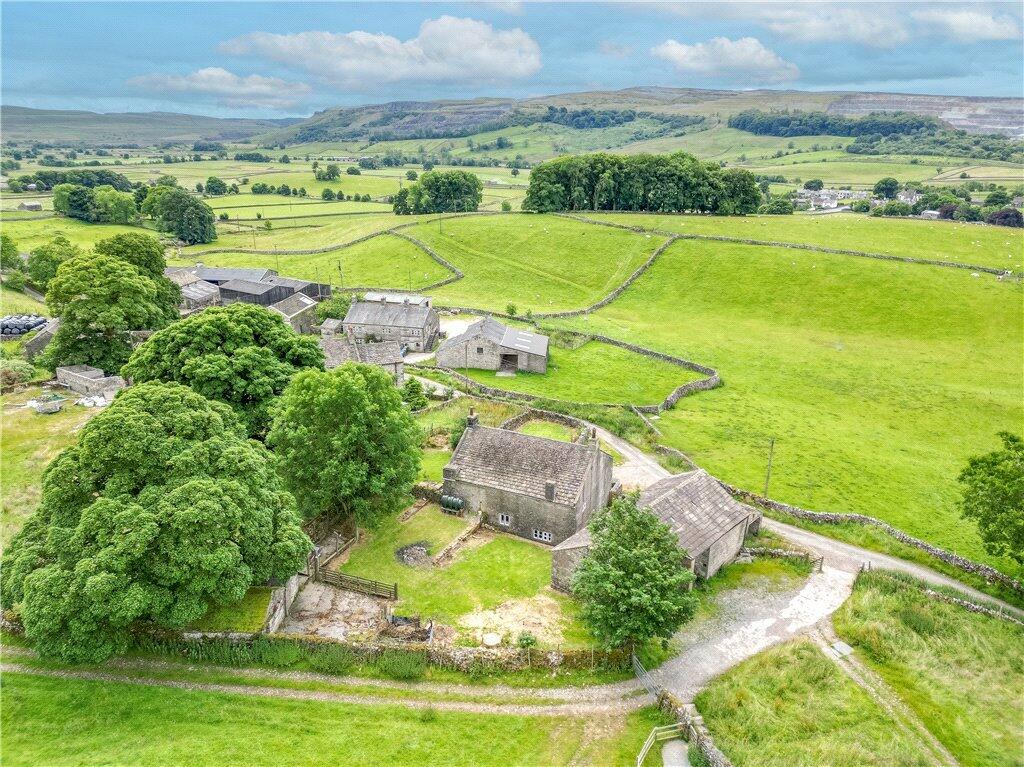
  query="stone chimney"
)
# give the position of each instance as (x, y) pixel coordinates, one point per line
(472, 419)
(549, 491)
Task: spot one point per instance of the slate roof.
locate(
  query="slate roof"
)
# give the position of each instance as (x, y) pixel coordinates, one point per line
(387, 314)
(293, 304)
(696, 507)
(521, 463)
(248, 286)
(338, 351)
(288, 282)
(197, 290)
(578, 540)
(331, 324)
(218, 274)
(181, 275)
(502, 335)
(397, 298)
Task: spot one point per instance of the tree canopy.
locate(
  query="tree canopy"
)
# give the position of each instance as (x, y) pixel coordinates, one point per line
(993, 496)
(180, 213)
(886, 187)
(162, 509)
(633, 584)
(672, 183)
(146, 254)
(242, 355)
(346, 444)
(441, 192)
(9, 256)
(44, 260)
(100, 299)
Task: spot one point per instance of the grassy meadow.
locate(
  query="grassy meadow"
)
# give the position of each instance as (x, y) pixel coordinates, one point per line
(538, 263)
(877, 380)
(790, 706)
(63, 722)
(999, 247)
(962, 673)
(16, 302)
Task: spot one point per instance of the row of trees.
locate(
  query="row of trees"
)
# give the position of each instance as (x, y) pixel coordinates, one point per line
(673, 183)
(799, 123)
(101, 204)
(440, 192)
(48, 179)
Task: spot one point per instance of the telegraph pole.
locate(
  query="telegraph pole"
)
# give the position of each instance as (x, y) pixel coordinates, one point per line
(768, 473)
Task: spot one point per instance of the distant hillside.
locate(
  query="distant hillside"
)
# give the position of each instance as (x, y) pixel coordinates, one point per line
(443, 119)
(21, 124)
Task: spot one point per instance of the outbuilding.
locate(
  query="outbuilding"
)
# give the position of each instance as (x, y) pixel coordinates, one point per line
(298, 310)
(489, 345)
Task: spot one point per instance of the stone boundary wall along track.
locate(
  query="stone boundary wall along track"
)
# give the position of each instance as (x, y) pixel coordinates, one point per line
(793, 245)
(938, 596)
(694, 730)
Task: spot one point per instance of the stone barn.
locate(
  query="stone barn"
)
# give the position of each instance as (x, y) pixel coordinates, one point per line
(409, 320)
(386, 355)
(489, 345)
(709, 523)
(299, 311)
(537, 488)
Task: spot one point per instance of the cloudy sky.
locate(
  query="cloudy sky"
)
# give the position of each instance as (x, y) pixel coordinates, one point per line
(284, 58)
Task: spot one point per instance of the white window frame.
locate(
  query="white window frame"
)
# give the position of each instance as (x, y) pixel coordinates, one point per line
(542, 535)
(505, 520)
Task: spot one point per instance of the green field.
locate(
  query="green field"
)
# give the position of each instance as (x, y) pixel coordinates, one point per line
(999, 247)
(878, 380)
(30, 234)
(306, 233)
(278, 209)
(548, 429)
(791, 707)
(595, 372)
(538, 263)
(961, 673)
(16, 302)
(63, 722)
(385, 261)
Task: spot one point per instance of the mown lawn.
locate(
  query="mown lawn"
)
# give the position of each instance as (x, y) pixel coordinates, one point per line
(1000, 247)
(16, 302)
(385, 261)
(538, 263)
(790, 706)
(432, 464)
(595, 372)
(878, 380)
(60, 722)
(962, 673)
(28, 442)
(248, 614)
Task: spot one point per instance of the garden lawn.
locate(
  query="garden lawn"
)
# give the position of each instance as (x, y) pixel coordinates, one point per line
(60, 722)
(453, 415)
(432, 464)
(248, 614)
(548, 429)
(962, 673)
(996, 246)
(595, 373)
(16, 302)
(28, 442)
(878, 380)
(480, 577)
(384, 261)
(790, 706)
(538, 263)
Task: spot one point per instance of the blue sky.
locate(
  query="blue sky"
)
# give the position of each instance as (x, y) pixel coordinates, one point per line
(284, 59)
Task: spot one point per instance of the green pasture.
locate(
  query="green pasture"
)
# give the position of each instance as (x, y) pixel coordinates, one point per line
(538, 263)
(272, 207)
(790, 706)
(548, 429)
(16, 302)
(63, 722)
(995, 246)
(878, 380)
(306, 233)
(384, 261)
(28, 234)
(962, 673)
(861, 173)
(595, 372)
(721, 143)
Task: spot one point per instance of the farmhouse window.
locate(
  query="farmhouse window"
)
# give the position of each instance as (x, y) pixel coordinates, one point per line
(542, 535)
(479, 350)
(505, 519)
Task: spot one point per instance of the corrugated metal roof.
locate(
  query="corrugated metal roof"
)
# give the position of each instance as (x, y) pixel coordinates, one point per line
(225, 274)
(513, 339)
(199, 289)
(524, 341)
(396, 298)
(248, 286)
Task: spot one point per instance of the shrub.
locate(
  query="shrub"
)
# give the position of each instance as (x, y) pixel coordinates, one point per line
(506, 206)
(526, 640)
(16, 280)
(276, 653)
(456, 434)
(511, 310)
(860, 206)
(333, 659)
(14, 372)
(1004, 217)
(223, 216)
(429, 714)
(402, 666)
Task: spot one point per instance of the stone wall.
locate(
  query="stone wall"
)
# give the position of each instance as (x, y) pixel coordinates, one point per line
(564, 563)
(527, 513)
(694, 730)
(535, 414)
(88, 380)
(477, 352)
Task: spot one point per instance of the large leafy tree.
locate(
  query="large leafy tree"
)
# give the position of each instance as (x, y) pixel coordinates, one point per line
(9, 256)
(162, 509)
(100, 300)
(441, 192)
(993, 496)
(346, 444)
(44, 260)
(180, 213)
(633, 584)
(146, 254)
(242, 355)
(886, 188)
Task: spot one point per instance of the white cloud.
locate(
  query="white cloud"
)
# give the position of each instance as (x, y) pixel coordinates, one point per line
(742, 60)
(227, 88)
(614, 50)
(970, 25)
(446, 50)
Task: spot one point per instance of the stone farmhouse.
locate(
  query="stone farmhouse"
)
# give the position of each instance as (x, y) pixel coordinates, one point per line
(489, 345)
(709, 523)
(409, 320)
(385, 354)
(537, 488)
(298, 310)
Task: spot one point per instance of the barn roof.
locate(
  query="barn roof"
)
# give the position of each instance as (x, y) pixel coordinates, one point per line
(293, 304)
(248, 286)
(198, 290)
(502, 335)
(696, 507)
(338, 351)
(387, 314)
(521, 463)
